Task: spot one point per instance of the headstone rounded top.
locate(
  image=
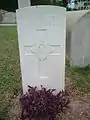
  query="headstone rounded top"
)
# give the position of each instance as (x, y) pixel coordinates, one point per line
(74, 17)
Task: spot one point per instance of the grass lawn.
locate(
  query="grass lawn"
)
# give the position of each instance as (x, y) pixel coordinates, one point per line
(10, 77)
(80, 76)
(10, 82)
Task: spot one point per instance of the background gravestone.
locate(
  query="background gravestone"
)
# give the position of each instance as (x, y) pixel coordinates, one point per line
(8, 18)
(41, 36)
(24, 3)
(80, 42)
(1, 16)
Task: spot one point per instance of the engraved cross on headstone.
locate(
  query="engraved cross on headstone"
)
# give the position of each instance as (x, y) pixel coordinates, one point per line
(42, 51)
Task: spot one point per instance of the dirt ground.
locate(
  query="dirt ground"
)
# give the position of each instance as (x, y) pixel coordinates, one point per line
(79, 107)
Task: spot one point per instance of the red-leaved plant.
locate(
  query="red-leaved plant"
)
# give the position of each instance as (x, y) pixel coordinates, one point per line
(40, 104)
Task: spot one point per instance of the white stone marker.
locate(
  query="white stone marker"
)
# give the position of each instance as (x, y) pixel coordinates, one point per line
(24, 3)
(41, 35)
(80, 42)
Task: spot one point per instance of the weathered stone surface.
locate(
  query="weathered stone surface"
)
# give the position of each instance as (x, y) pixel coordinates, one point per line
(77, 45)
(7, 17)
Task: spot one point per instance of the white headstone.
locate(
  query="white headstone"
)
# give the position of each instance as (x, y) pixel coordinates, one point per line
(41, 35)
(24, 3)
(80, 42)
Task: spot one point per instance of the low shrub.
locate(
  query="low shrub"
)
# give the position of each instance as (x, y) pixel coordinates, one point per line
(43, 103)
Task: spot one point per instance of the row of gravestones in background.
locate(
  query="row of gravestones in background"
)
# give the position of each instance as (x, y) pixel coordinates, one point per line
(72, 14)
(82, 18)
